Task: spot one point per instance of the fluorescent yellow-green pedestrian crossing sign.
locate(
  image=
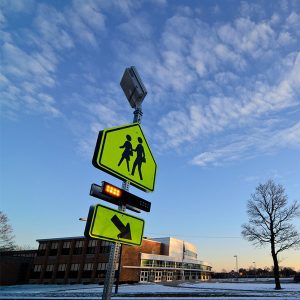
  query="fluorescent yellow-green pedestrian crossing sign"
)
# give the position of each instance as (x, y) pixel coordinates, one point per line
(112, 225)
(123, 152)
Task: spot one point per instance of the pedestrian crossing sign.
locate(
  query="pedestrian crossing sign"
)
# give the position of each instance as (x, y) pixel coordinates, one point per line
(124, 152)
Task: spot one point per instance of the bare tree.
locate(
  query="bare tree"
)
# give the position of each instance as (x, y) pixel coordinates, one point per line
(269, 222)
(6, 234)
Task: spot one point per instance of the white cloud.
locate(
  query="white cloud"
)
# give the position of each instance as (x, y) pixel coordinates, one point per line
(215, 157)
(160, 2)
(137, 28)
(3, 80)
(275, 19)
(206, 78)
(127, 7)
(227, 55)
(25, 75)
(224, 78)
(250, 145)
(106, 115)
(192, 51)
(98, 115)
(293, 20)
(17, 6)
(90, 13)
(285, 38)
(2, 19)
(51, 24)
(247, 36)
(81, 30)
(86, 21)
(222, 112)
(288, 137)
(248, 9)
(21, 64)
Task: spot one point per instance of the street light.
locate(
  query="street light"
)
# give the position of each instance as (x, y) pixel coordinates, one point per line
(254, 264)
(236, 266)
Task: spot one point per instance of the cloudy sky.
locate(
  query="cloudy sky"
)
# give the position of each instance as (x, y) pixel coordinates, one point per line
(221, 115)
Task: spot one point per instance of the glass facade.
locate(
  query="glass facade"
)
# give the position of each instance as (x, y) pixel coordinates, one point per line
(157, 270)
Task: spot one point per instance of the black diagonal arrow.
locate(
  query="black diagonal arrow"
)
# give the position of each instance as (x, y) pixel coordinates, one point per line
(125, 232)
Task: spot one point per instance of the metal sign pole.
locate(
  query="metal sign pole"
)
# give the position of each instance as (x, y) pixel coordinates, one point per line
(114, 255)
(110, 273)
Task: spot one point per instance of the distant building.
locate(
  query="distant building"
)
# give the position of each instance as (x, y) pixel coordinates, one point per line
(15, 266)
(82, 260)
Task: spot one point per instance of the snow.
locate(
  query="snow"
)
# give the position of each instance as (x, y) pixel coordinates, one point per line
(243, 286)
(261, 289)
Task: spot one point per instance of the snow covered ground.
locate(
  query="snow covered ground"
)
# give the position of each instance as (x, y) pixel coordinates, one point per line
(187, 290)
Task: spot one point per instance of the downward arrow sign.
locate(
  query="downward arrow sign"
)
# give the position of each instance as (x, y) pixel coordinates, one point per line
(125, 232)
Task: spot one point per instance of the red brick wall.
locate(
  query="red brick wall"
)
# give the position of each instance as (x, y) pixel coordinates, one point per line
(131, 256)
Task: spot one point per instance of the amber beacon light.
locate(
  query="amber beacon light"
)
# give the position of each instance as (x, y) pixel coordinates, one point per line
(111, 190)
(117, 196)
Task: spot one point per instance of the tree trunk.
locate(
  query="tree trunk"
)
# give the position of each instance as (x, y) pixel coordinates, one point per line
(276, 272)
(276, 267)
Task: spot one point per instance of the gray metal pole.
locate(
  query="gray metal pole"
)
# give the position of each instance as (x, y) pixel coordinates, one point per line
(119, 271)
(114, 255)
(110, 273)
(138, 113)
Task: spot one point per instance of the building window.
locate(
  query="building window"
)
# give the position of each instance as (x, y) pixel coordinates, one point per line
(36, 271)
(146, 263)
(66, 248)
(105, 247)
(78, 247)
(92, 243)
(101, 270)
(87, 270)
(74, 270)
(42, 249)
(157, 263)
(53, 249)
(102, 266)
(61, 270)
(48, 272)
(62, 267)
(190, 254)
(92, 247)
(37, 268)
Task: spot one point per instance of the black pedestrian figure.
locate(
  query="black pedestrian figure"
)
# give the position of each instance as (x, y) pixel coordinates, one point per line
(140, 158)
(127, 151)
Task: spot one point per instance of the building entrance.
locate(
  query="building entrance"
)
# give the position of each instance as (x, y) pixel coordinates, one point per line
(169, 276)
(157, 276)
(144, 276)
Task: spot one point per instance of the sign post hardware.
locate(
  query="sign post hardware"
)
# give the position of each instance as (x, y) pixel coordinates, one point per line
(122, 152)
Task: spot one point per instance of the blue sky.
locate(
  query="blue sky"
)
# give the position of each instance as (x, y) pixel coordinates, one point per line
(221, 115)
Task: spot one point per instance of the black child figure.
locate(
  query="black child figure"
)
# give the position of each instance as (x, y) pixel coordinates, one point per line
(140, 158)
(127, 151)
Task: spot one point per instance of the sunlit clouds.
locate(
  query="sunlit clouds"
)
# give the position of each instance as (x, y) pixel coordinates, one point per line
(215, 84)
